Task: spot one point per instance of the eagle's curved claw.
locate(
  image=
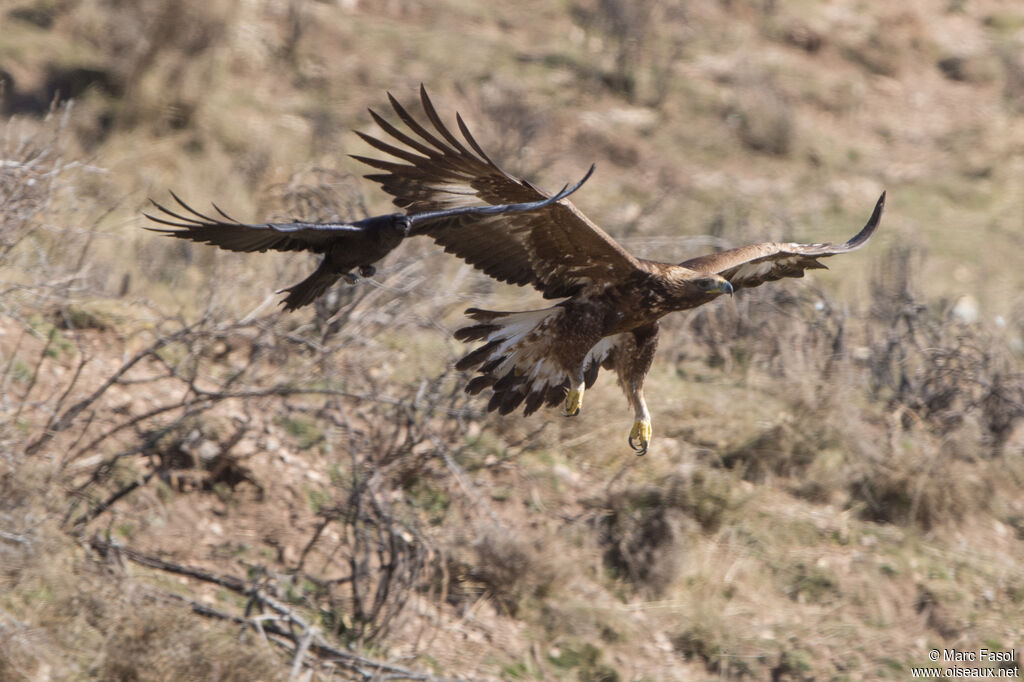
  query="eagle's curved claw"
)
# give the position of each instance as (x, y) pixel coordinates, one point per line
(367, 271)
(573, 402)
(641, 433)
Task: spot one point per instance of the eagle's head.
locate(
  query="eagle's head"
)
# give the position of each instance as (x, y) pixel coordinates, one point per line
(712, 284)
(691, 288)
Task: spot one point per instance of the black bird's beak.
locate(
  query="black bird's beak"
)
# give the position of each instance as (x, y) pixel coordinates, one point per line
(405, 222)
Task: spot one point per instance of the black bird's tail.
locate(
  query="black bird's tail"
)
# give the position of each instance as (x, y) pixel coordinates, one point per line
(311, 288)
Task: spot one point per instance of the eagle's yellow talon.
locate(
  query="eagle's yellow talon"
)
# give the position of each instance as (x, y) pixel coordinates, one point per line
(573, 402)
(641, 433)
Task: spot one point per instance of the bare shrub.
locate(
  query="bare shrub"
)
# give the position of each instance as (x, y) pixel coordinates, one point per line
(713, 648)
(646, 38)
(763, 117)
(497, 564)
(934, 369)
(643, 529)
(785, 333)
(32, 168)
(321, 195)
(884, 406)
(385, 558)
(152, 48)
(26, 180)
(210, 386)
(786, 449)
(399, 454)
(918, 487)
(383, 554)
(891, 44)
(510, 110)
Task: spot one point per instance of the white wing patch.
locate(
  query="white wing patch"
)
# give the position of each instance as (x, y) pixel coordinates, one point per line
(454, 196)
(603, 348)
(754, 270)
(761, 268)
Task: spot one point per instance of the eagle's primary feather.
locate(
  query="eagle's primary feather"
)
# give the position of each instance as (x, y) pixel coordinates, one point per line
(612, 301)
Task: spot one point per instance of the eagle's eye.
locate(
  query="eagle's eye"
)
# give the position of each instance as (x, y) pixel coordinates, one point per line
(715, 284)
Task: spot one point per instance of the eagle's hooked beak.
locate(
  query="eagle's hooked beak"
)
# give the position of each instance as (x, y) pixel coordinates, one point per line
(725, 287)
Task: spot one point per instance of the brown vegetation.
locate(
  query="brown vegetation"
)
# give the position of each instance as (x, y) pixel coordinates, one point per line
(194, 486)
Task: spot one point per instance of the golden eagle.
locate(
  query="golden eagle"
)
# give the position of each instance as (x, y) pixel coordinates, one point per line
(612, 301)
(346, 246)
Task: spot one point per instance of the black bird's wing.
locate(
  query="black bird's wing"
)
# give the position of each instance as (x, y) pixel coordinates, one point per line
(228, 233)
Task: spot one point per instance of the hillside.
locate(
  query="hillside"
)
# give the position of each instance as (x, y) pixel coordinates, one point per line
(195, 485)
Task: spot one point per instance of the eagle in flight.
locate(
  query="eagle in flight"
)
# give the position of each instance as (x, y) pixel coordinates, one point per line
(345, 246)
(611, 301)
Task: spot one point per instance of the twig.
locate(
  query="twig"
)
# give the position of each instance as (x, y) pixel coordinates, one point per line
(367, 668)
(11, 537)
(10, 362)
(104, 506)
(72, 412)
(467, 487)
(35, 375)
(150, 561)
(67, 391)
(300, 655)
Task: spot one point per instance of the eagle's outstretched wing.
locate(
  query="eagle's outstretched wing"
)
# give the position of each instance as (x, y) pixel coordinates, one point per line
(753, 265)
(555, 249)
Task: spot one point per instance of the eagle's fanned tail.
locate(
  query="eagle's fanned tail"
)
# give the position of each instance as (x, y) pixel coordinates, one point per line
(517, 359)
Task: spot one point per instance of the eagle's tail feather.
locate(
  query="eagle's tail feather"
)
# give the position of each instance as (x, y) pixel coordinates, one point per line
(515, 359)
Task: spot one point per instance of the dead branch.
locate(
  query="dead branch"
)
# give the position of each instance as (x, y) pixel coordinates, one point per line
(109, 502)
(304, 642)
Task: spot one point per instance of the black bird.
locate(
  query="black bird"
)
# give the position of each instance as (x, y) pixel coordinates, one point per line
(346, 246)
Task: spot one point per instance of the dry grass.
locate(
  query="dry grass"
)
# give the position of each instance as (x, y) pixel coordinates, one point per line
(79, 617)
(195, 487)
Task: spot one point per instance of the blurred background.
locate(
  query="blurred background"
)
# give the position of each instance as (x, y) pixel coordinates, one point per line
(834, 484)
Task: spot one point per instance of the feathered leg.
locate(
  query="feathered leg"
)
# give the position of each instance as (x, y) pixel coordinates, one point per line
(574, 398)
(632, 361)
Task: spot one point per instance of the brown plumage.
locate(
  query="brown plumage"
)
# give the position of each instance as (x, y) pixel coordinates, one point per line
(345, 246)
(612, 300)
